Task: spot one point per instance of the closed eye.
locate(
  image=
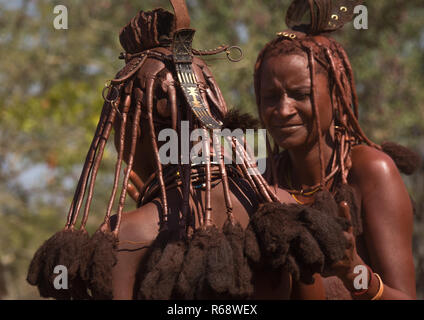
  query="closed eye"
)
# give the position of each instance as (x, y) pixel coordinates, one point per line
(300, 95)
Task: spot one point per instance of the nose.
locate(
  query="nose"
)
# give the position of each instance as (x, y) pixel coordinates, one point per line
(286, 107)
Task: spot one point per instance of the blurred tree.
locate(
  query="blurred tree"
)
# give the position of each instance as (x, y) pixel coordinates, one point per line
(50, 93)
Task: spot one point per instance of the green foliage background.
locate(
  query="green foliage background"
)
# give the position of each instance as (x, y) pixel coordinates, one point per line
(50, 99)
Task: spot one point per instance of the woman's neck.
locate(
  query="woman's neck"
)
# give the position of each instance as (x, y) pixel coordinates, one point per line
(305, 163)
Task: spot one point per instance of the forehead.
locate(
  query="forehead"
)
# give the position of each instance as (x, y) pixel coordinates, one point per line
(288, 70)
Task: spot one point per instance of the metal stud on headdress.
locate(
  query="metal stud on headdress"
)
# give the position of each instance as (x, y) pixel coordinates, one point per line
(324, 15)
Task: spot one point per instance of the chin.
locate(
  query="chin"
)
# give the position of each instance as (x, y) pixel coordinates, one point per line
(290, 142)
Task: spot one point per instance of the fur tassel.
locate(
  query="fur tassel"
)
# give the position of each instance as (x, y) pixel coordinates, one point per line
(299, 239)
(406, 160)
(219, 267)
(251, 246)
(284, 242)
(163, 268)
(211, 265)
(102, 248)
(328, 232)
(192, 271)
(63, 248)
(329, 205)
(307, 258)
(275, 228)
(242, 287)
(208, 267)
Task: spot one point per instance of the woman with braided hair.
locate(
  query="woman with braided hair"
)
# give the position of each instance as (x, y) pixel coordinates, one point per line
(307, 100)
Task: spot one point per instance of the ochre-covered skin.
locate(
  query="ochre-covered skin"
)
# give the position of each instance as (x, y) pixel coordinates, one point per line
(287, 95)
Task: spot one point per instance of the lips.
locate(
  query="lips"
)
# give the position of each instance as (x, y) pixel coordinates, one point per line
(287, 125)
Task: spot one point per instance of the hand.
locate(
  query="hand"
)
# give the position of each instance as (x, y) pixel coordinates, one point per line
(343, 269)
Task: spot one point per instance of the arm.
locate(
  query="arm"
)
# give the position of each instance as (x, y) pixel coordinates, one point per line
(388, 225)
(138, 230)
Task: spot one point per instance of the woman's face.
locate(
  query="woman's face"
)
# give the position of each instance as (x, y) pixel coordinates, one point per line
(285, 101)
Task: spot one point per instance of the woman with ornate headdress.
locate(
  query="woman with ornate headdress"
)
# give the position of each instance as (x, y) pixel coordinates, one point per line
(306, 97)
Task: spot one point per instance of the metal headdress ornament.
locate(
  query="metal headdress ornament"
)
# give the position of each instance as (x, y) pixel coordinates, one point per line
(324, 15)
(182, 57)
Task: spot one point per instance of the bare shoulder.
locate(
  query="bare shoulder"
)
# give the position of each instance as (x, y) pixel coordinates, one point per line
(284, 196)
(370, 164)
(140, 225)
(376, 177)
